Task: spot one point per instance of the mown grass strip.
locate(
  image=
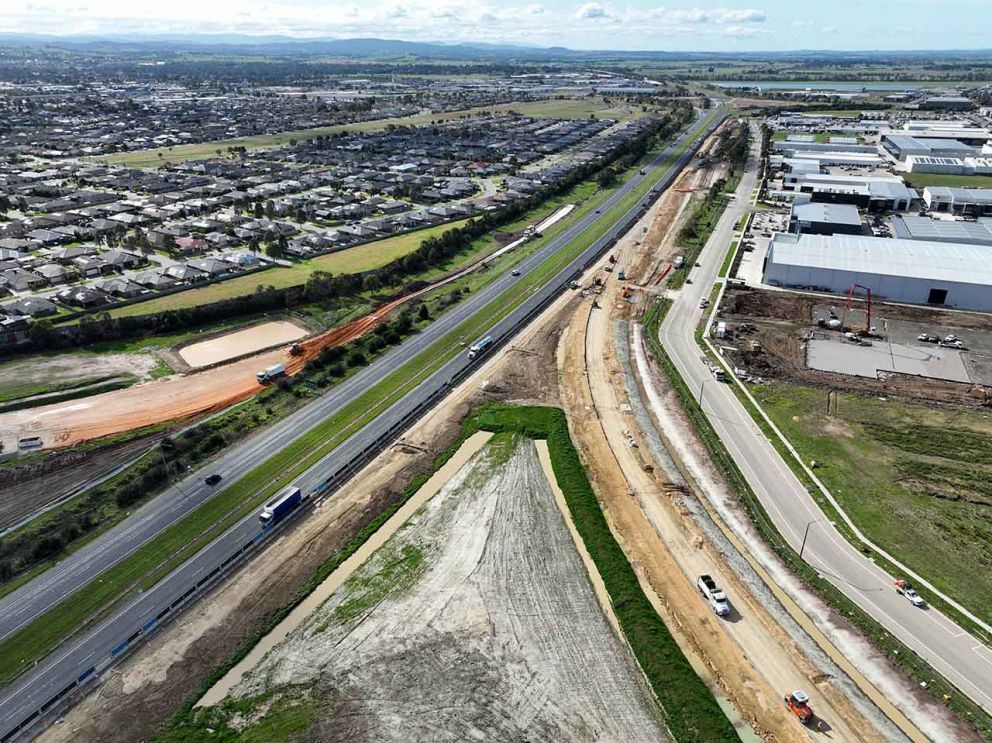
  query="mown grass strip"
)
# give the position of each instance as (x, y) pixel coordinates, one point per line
(911, 663)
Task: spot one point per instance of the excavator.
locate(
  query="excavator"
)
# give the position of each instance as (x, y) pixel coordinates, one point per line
(798, 704)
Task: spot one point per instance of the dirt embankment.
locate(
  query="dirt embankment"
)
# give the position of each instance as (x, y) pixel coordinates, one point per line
(748, 657)
(780, 321)
(137, 696)
(476, 620)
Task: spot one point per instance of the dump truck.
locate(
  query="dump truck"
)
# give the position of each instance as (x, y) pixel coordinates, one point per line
(476, 348)
(283, 503)
(714, 595)
(271, 372)
(798, 704)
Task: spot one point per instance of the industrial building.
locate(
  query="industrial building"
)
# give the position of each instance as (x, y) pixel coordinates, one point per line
(949, 165)
(912, 271)
(811, 218)
(903, 146)
(875, 193)
(973, 202)
(947, 103)
(978, 232)
(941, 165)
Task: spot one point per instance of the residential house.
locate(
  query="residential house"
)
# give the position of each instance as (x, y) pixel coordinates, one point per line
(31, 307)
(210, 266)
(118, 286)
(19, 280)
(81, 296)
(184, 273)
(54, 273)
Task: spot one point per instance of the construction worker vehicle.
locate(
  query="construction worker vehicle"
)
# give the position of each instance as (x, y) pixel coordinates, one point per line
(798, 704)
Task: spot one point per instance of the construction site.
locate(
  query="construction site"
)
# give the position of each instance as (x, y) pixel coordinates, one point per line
(668, 506)
(918, 353)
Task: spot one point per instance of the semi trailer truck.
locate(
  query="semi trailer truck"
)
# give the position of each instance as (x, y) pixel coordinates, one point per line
(283, 503)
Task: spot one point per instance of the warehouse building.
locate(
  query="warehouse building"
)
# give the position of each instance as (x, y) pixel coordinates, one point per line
(813, 218)
(916, 272)
(903, 146)
(943, 230)
(941, 165)
(947, 103)
(973, 202)
(876, 193)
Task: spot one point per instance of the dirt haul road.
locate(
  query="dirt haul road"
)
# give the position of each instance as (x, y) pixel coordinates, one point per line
(751, 658)
(475, 621)
(170, 399)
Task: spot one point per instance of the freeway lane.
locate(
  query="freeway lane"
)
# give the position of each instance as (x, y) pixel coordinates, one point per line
(959, 656)
(38, 686)
(34, 598)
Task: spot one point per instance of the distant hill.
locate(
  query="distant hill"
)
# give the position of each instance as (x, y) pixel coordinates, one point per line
(372, 48)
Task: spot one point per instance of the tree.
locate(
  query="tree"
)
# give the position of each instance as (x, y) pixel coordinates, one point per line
(423, 313)
(606, 178)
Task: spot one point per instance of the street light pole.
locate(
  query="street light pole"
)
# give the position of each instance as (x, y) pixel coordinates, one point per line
(806, 534)
(702, 388)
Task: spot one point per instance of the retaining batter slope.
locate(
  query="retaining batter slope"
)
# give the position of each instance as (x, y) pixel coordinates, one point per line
(475, 621)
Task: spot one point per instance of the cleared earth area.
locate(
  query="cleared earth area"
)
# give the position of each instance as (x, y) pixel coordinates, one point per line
(238, 343)
(476, 620)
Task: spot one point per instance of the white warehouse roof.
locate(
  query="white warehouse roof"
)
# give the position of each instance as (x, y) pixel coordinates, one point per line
(951, 262)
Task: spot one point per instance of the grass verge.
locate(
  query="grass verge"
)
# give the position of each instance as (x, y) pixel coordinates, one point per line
(901, 655)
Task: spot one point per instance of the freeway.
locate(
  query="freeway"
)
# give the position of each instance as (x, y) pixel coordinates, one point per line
(953, 652)
(83, 658)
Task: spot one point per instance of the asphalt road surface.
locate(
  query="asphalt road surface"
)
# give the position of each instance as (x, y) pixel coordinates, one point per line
(83, 658)
(959, 656)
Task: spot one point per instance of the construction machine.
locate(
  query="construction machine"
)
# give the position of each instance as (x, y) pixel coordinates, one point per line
(868, 330)
(798, 704)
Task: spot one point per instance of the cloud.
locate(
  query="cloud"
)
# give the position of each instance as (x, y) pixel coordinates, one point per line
(744, 32)
(592, 10)
(715, 15)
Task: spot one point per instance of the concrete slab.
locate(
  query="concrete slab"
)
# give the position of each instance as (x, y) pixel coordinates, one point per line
(844, 357)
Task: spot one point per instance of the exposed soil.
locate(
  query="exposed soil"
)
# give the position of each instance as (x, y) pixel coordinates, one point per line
(782, 319)
(476, 620)
(748, 657)
(137, 696)
(29, 485)
(240, 342)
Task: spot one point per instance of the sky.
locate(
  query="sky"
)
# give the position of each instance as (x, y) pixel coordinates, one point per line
(677, 25)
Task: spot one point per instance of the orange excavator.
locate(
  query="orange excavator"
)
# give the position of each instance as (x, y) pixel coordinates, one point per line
(798, 704)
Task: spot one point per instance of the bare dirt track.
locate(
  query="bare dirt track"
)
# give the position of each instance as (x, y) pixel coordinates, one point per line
(476, 620)
(749, 657)
(170, 399)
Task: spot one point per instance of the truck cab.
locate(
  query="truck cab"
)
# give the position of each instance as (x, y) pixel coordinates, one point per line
(798, 704)
(714, 595)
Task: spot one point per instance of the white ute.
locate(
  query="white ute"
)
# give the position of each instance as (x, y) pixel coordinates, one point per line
(714, 595)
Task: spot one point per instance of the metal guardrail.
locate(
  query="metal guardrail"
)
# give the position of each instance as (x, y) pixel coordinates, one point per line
(74, 690)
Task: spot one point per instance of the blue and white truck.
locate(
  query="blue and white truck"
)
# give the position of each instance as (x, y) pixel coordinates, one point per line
(276, 509)
(476, 348)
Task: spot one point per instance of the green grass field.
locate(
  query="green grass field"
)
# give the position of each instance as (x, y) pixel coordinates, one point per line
(569, 108)
(916, 479)
(350, 260)
(922, 180)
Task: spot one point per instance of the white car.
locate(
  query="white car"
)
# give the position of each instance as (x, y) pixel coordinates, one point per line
(913, 597)
(904, 589)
